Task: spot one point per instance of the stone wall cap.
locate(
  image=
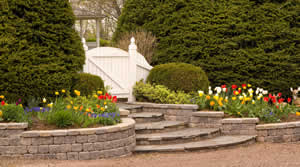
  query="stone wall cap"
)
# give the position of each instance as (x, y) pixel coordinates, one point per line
(240, 121)
(13, 125)
(278, 125)
(126, 123)
(170, 106)
(208, 114)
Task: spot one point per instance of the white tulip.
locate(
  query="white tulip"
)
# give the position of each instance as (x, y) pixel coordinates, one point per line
(210, 92)
(265, 92)
(224, 89)
(218, 89)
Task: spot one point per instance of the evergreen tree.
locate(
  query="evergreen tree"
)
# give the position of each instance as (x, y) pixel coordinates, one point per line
(39, 50)
(234, 41)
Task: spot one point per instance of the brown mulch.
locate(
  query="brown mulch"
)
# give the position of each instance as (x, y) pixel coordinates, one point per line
(256, 155)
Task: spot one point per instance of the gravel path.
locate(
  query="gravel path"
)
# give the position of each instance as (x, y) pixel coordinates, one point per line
(257, 155)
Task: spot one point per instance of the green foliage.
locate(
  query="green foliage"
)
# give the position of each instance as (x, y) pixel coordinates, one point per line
(88, 83)
(40, 52)
(233, 41)
(179, 77)
(159, 94)
(103, 42)
(14, 113)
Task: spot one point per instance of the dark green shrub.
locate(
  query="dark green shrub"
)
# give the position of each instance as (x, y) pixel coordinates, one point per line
(40, 52)
(103, 42)
(233, 41)
(179, 77)
(14, 113)
(159, 94)
(88, 83)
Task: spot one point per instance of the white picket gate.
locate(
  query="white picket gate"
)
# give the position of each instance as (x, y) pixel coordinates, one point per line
(119, 69)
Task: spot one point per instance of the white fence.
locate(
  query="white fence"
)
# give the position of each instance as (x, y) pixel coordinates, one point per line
(119, 69)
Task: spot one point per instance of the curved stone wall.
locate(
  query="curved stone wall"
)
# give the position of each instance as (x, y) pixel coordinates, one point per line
(72, 144)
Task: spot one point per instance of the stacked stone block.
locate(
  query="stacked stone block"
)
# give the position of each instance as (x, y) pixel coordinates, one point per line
(279, 132)
(239, 126)
(206, 119)
(74, 144)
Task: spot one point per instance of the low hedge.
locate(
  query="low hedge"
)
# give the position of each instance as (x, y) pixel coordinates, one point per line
(88, 83)
(179, 77)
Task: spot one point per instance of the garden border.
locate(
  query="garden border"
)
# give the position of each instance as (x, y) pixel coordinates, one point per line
(72, 144)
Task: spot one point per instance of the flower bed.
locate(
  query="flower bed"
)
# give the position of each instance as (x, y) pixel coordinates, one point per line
(64, 111)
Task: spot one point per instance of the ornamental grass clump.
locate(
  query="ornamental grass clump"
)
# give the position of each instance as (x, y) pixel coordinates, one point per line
(244, 102)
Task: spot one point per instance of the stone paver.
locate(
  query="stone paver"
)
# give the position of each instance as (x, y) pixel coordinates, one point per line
(159, 125)
(214, 143)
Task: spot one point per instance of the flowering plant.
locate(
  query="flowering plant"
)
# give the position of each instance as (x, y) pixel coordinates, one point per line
(243, 101)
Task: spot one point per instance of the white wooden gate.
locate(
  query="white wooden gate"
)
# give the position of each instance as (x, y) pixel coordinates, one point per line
(119, 69)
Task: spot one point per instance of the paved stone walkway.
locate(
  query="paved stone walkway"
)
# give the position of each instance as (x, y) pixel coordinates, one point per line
(256, 155)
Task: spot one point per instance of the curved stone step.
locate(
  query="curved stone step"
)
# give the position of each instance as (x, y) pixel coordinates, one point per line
(180, 136)
(214, 143)
(132, 108)
(143, 117)
(158, 127)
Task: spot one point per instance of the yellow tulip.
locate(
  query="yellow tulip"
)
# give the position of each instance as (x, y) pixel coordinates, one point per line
(63, 91)
(216, 97)
(249, 85)
(1, 113)
(207, 97)
(105, 103)
(238, 113)
(75, 108)
(212, 103)
(99, 92)
(69, 106)
(77, 92)
(95, 96)
(298, 113)
(102, 108)
(44, 100)
(1, 97)
(234, 98)
(56, 93)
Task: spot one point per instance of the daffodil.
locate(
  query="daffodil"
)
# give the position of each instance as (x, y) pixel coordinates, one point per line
(105, 103)
(212, 103)
(249, 85)
(63, 91)
(200, 93)
(2, 97)
(238, 113)
(77, 92)
(99, 92)
(241, 97)
(75, 108)
(21, 105)
(234, 98)
(44, 100)
(95, 96)
(253, 101)
(50, 105)
(56, 93)
(69, 106)
(1, 113)
(216, 97)
(207, 97)
(102, 108)
(298, 113)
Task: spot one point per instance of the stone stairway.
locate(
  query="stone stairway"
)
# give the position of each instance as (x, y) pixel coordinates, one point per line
(155, 134)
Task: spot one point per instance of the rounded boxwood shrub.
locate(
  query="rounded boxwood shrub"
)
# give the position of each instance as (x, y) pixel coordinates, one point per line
(40, 52)
(88, 83)
(179, 77)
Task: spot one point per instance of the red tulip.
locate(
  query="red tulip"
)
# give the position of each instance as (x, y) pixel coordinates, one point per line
(289, 100)
(244, 86)
(2, 103)
(279, 94)
(114, 100)
(280, 100)
(233, 86)
(266, 99)
(277, 106)
(273, 99)
(223, 86)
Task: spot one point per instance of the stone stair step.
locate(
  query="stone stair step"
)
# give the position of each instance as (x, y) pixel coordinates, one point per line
(144, 117)
(179, 136)
(158, 127)
(132, 108)
(214, 143)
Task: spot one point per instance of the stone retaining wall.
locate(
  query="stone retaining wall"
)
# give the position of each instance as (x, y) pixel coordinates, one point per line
(207, 119)
(172, 112)
(239, 126)
(73, 144)
(279, 132)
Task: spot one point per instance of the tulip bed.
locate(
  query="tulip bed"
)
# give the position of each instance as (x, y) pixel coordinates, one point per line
(243, 101)
(64, 111)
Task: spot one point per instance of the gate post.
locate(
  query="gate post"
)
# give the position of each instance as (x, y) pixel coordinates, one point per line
(132, 69)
